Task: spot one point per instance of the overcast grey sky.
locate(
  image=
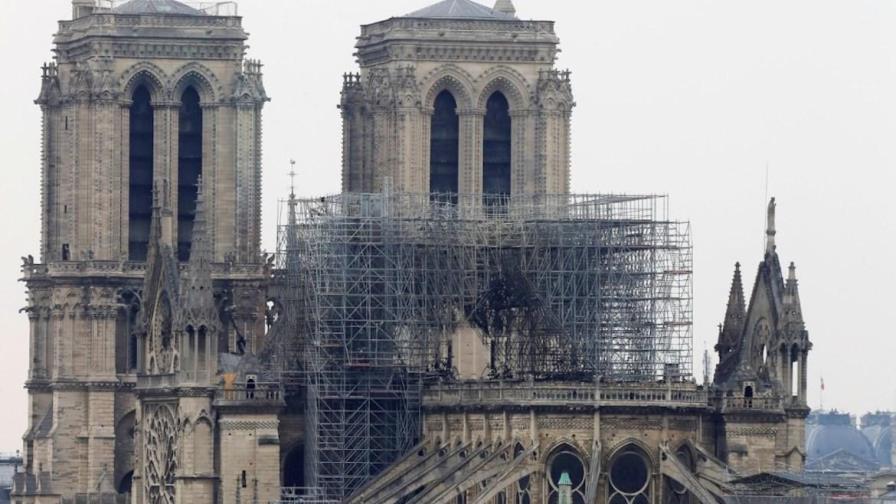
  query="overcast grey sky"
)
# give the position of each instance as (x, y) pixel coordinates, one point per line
(691, 98)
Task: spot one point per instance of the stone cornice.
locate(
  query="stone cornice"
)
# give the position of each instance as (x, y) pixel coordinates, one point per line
(143, 48)
(172, 392)
(79, 384)
(491, 52)
(116, 271)
(421, 25)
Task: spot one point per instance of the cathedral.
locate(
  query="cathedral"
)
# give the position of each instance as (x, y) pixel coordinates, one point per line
(455, 326)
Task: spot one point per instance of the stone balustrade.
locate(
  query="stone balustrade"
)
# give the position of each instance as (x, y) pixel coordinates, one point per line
(257, 393)
(171, 380)
(751, 403)
(528, 394)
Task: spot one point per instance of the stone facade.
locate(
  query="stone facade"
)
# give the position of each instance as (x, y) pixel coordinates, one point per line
(150, 378)
(123, 398)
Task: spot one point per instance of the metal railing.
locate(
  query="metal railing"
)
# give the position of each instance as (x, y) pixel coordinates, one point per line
(303, 495)
(209, 8)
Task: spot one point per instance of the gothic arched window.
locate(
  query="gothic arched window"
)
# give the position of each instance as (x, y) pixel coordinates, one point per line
(189, 168)
(566, 469)
(496, 143)
(443, 145)
(140, 174)
(629, 477)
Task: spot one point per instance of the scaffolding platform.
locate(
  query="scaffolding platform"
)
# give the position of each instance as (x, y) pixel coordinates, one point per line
(559, 287)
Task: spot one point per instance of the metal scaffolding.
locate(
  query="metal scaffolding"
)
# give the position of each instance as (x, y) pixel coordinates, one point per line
(572, 287)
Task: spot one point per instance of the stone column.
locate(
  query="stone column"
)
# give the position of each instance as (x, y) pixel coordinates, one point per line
(209, 165)
(164, 170)
(101, 440)
(33, 346)
(247, 173)
(470, 155)
(786, 380)
(105, 185)
(124, 199)
(426, 146)
(521, 173)
(83, 180)
(408, 165)
(803, 376)
(48, 213)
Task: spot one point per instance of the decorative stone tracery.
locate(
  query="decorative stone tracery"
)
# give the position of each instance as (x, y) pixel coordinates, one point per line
(160, 453)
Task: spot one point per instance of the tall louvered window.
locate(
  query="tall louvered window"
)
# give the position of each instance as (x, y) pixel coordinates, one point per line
(189, 168)
(140, 174)
(496, 144)
(443, 147)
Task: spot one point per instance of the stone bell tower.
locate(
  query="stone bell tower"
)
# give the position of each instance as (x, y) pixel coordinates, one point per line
(457, 98)
(143, 97)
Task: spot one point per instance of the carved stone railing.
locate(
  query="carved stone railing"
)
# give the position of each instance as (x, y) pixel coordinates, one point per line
(528, 394)
(172, 380)
(751, 403)
(258, 393)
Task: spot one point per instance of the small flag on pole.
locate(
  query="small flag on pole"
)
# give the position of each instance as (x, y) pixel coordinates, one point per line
(822, 383)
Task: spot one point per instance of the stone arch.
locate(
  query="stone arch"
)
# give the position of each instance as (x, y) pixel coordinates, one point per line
(292, 466)
(565, 456)
(628, 442)
(124, 484)
(125, 432)
(760, 335)
(509, 82)
(560, 444)
(147, 74)
(201, 78)
(202, 445)
(631, 469)
(453, 79)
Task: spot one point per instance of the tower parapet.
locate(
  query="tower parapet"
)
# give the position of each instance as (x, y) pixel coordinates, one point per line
(457, 98)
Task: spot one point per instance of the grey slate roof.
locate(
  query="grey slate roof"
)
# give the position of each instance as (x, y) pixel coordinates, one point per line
(459, 9)
(157, 7)
(805, 479)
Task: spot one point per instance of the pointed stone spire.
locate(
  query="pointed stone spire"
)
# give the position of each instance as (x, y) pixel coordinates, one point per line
(793, 310)
(770, 228)
(200, 249)
(735, 314)
(505, 7)
(197, 292)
